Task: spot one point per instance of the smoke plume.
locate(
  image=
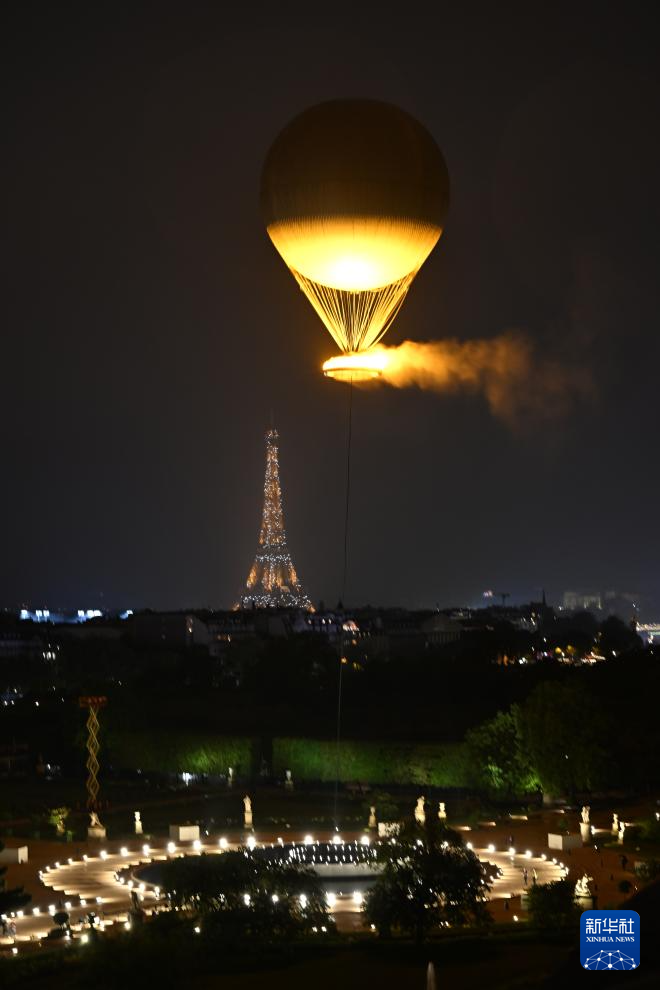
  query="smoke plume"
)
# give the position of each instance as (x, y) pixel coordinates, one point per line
(519, 383)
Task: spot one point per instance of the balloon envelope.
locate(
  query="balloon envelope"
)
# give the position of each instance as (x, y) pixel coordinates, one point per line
(354, 195)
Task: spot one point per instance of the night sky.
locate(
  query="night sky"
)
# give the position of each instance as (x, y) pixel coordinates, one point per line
(150, 327)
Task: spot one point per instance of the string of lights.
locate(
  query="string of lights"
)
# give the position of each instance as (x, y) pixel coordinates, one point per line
(272, 581)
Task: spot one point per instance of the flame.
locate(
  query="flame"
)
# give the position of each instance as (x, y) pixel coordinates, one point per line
(515, 378)
(356, 367)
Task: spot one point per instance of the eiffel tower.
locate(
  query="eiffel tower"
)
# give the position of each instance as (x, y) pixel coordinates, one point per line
(272, 581)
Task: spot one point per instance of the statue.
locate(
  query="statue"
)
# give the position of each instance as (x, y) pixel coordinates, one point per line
(95, 830)
(442, 813)
(615, 823)
(288, 780)
(622, 830)
(230, 776)
(138, 823)
(420, 814)
(372, 817)
(582, 886)
(247, 813)
(586, 830)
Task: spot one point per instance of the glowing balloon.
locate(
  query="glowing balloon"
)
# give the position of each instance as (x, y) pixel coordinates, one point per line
(354, 194)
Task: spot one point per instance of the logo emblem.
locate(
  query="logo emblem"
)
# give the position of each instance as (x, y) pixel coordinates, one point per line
(609, 940)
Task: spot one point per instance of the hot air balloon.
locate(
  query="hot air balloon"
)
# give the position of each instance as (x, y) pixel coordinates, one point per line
(354, 195)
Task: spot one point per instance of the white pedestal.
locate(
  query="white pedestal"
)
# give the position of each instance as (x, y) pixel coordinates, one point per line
(96, 832)
(585, 832)
(184, 833)
(559, 841)
(17, 854)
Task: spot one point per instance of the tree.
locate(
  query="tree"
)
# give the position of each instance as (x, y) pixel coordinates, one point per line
(552, 905)
(564, 731)
(499, 761)
(429, 879)
(240, 895)
(13, 898)
(617, 637)
(57, 817)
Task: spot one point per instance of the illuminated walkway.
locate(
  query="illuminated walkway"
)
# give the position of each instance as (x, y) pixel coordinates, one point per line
(102, 882)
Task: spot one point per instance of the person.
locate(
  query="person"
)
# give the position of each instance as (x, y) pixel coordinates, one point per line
(535, 876)
(525, 875)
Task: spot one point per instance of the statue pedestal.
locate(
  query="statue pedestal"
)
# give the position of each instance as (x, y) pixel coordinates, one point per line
(96, 832)
(585, 832)
(557, 840)
(184, 833)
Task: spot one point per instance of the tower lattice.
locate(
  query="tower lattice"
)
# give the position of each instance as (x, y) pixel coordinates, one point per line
(272, 581)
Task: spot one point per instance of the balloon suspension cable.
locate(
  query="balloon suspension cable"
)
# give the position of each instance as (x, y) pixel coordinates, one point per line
(348, 488)
(343, 590)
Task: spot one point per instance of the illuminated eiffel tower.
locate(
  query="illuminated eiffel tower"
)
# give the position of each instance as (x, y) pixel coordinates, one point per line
(272, 581)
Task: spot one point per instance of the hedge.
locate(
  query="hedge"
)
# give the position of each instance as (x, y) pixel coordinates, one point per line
(436, 764)
(178, 751)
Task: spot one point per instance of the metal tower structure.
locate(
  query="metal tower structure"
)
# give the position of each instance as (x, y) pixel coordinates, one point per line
(92, 704)
(272, 581)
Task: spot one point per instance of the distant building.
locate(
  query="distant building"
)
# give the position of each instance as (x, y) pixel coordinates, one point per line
(68, 616)
(582, 601)
(649, 632)
(225, 628)
(621, 603)
(169, 629)
(14, 760)
(16, 642)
